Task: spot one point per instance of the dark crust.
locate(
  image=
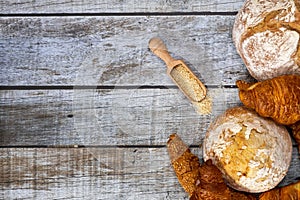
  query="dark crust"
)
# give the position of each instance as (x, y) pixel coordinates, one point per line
(186, 165)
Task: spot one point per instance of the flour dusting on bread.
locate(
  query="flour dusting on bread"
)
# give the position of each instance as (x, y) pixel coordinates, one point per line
(266, 36)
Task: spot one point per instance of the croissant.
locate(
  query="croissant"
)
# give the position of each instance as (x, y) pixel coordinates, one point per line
(290, 192)
(213, 187)
(296, 133)
(277, 98)
(200, 181)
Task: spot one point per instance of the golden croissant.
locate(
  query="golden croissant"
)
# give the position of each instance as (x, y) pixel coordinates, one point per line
(277, 98)
(289, 192)
(296, 133)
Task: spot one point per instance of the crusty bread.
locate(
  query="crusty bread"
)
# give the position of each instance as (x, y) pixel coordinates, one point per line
(252, 152)
(266, 34)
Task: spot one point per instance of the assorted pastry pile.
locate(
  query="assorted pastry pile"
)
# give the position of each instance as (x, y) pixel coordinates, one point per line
(205, 181)
(248, 149)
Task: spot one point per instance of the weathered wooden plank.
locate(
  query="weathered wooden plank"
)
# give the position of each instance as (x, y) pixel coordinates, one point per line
(104, 117)
(115, 6)
(103, 173)
(114, 50)
(109, 173)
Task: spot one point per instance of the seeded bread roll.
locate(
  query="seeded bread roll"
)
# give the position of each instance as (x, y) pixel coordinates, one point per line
(253, 153)
(266, 34)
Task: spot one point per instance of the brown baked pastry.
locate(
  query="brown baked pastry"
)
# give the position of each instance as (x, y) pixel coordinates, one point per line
(252, 152)
(211, 184)
(199, 181)
(213, 187)
(296, 133)
(289, 192)
(186, 165)
(278, 98)
(266, 35)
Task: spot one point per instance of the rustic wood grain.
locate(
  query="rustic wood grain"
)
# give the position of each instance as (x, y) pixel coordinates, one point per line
(91, 173)
(109, 173)
(116, 6)
(114, 50)
(121, 127)
(105, 117)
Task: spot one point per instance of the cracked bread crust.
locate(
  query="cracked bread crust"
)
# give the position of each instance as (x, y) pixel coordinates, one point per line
(253, 153)
(267, 37)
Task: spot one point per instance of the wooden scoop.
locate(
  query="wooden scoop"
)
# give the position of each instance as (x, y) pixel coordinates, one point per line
(184, 78)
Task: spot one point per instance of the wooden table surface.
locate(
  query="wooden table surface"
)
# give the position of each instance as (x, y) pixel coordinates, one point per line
(86, 109)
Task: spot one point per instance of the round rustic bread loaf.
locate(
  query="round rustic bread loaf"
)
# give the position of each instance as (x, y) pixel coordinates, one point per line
(266, 34)
(253, 153)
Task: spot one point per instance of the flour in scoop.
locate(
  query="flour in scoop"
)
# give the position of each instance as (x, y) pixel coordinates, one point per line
(187, 82)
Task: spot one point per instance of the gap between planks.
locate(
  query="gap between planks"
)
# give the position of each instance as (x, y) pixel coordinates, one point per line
(124, 14)
(100, 87)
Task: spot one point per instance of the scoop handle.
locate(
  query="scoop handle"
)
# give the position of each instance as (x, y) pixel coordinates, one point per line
(158, 47)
